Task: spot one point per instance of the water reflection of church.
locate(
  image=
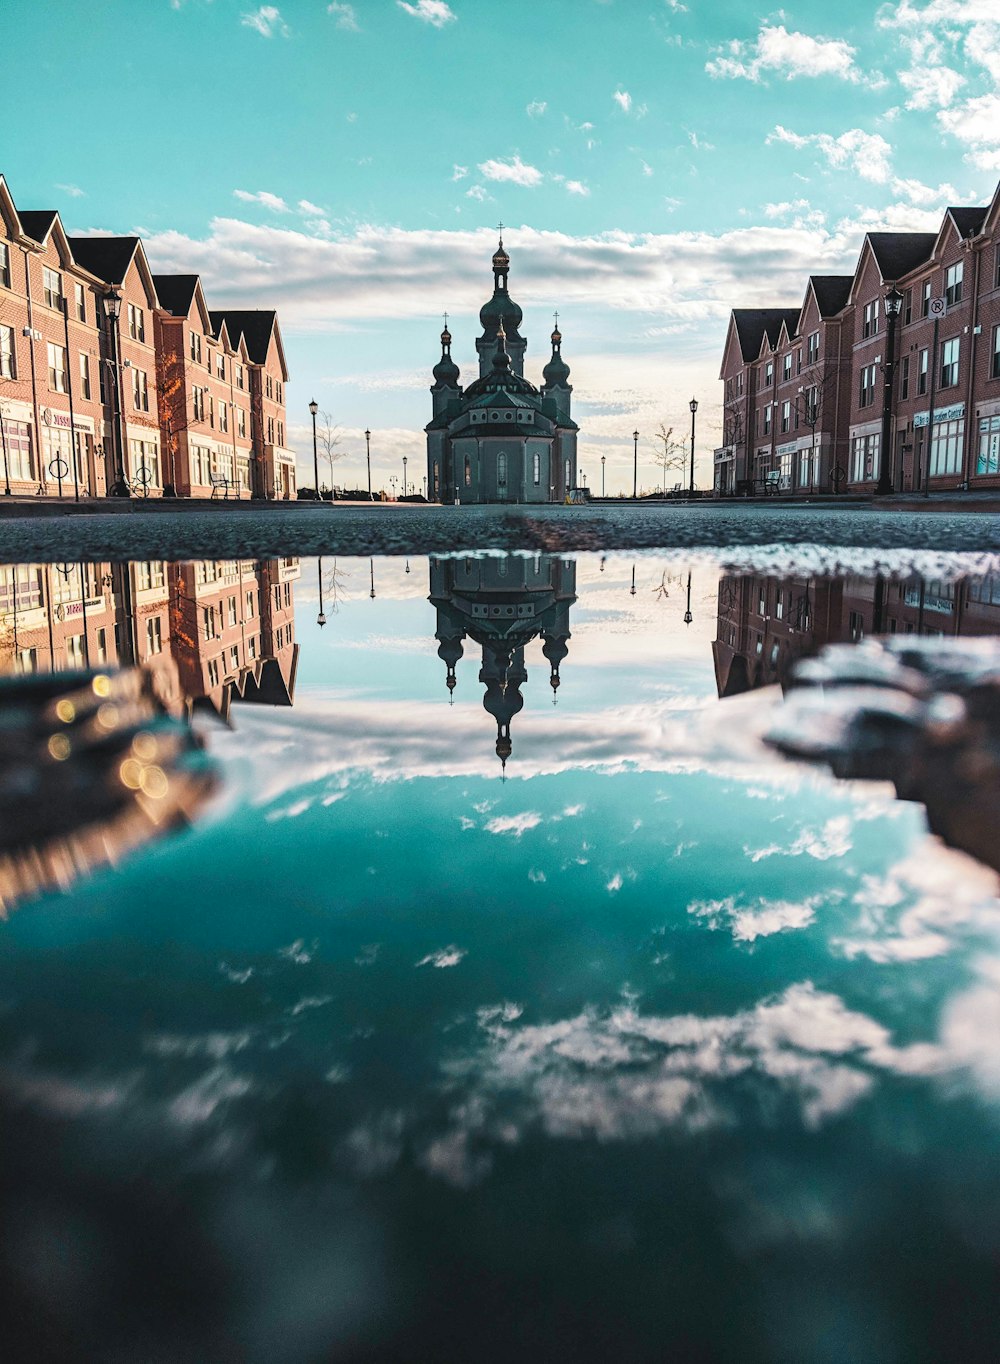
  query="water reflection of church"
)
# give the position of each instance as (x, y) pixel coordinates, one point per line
(501, 604)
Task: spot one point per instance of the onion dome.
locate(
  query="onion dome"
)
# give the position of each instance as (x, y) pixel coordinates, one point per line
(446, 371)
(501, 359)
(556, 372)
(501, 261)
(500, 309)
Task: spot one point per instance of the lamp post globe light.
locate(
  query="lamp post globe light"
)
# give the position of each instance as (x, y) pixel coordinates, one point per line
(368, 448)
(603, 462)
(404, 475)
(893, 303)
(314, 408)
(693, 404)
(635, 465)
(112, 307)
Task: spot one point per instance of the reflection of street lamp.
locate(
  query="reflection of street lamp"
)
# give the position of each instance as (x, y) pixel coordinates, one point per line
(314, 408)
(371, 565)
(688, 618)
(635, 465)
(632, 588)
(603, 462)
(893, 303)
(693, 404)
(368, 447)
(321, 618)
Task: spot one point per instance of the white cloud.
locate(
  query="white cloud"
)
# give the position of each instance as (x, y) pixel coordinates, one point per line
(478, 192)
(346, 15)
(930, 86)
(459, 172)
(623, 99)
(647, 169)
(537, 108)
(577, 187)
(976, 122)
(864, 154)
(926, 196)
(271, 201)
(513, 171)
(615, 884)
(762, 919)
(74, 191)
(443, 957)
(433, 12)
(310, 210)
(786, 55)
(266, 21)
(514, 824)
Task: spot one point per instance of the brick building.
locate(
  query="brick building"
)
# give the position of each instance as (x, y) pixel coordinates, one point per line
(803, 389)
(107, 388)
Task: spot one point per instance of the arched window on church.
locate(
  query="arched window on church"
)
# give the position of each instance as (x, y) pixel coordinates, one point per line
(537, 468)
(502, 470)
(567, 473)
(436, 476)
(468, 472)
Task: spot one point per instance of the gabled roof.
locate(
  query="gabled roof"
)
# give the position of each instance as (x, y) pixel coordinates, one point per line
(176, 292)
(254, 325)
(969, 221)
(37, 222)
(754, 324)
(831, 292)
(504, 399)
(106, 257)
(897, 253)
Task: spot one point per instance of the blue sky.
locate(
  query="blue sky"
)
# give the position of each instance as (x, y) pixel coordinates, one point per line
(656, 162)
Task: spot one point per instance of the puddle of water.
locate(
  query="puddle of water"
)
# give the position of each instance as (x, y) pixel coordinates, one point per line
(505, 993)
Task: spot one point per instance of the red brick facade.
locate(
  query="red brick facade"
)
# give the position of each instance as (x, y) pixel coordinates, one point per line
(107, 388)
(804, 389)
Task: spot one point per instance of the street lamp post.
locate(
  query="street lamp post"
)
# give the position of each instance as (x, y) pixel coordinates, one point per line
(635, 465)
(893, 303)
(393, 480)
(6, 461)
(368, 448)
(688, 618)
(321, 618)
(314, 408)
(693, 404)
(404, 475)
(603, 461)
(113, 308)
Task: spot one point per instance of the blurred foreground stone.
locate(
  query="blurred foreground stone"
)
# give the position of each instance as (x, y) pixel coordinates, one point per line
(92, 764)
(923, 713)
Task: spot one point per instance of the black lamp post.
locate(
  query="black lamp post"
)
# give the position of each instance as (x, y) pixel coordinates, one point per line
(368, 448)
(688, 618)
(693, 404)
(321, 618)
(6, 460)
(404, 476)
(113, 308)
(603, 461)
(314, 408)
(635, 465)
(893, 303)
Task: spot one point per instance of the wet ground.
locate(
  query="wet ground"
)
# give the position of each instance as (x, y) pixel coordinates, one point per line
(403, 528)
(508, 994)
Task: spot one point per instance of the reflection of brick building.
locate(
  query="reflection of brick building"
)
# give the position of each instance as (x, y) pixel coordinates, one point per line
(209, 633)
(765, 624)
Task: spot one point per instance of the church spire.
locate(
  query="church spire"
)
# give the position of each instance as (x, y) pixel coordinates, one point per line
(556, 372)
(446, 372)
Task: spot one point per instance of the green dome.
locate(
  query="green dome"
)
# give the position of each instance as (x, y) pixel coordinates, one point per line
(500, 309)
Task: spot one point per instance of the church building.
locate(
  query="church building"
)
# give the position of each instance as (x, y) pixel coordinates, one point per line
(501, 439)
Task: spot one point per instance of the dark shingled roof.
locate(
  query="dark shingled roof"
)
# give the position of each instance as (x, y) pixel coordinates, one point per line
(175, 292)
(106, 257)
(832, 292)
(897, 253)
(969, 221)
(752, 323)
(255, 326)
(37, 222)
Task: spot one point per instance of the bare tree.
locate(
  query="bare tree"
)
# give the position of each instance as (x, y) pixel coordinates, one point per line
(671, 454)
(815, 401)
(328, 439)
(334, 584)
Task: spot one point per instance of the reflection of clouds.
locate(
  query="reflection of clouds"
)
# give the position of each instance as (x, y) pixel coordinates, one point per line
(624, 1075)
(513, 824)
(915, 910)
(443, 957)
(833, 840)
(763, 918)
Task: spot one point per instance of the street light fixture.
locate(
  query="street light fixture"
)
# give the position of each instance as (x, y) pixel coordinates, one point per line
(112, 307)
(368, 447)
(321, 618)
(893, 302)
(404, 475)
(693, 404)
(688, 618)
(603, 462)
(635, 465)
(314, 408)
